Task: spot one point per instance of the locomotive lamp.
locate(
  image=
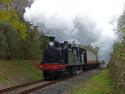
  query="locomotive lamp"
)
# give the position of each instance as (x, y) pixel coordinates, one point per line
(51, 43)
(51, 39)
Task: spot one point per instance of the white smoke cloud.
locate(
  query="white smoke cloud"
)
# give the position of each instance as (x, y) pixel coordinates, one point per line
(87, 21)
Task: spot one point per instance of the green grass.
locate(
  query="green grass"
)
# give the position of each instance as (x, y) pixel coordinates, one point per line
(98, 84)
(16, 71)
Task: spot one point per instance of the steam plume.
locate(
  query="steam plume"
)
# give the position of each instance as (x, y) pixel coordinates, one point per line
(86, 21)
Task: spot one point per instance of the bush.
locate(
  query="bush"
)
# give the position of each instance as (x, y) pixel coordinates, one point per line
(117, 69)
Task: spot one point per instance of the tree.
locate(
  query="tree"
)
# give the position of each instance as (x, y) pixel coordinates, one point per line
(121, 26)
(10, 17)
(117, 61)
(3, 46)
(17, 39)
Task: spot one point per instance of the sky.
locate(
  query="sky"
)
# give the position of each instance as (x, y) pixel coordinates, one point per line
(84, 21)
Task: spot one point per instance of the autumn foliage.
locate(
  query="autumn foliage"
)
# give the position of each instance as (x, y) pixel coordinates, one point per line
(17, 39)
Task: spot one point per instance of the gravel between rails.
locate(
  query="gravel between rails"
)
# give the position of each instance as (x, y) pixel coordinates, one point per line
(64, 86)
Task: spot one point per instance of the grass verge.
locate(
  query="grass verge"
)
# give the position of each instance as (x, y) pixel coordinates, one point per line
(19, 71)
(98, 84)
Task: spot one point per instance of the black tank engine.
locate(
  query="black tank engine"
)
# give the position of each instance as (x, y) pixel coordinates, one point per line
(61, 59)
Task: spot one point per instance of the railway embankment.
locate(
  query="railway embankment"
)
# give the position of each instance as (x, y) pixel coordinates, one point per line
(17, 72)
(97, 84)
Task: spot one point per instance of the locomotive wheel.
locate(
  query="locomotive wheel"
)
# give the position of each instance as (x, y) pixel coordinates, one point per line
(62, 74)
(73, 70)
(45, 76)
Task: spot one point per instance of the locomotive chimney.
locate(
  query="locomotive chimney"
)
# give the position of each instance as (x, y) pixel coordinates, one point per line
(65, 42)
(51, 38)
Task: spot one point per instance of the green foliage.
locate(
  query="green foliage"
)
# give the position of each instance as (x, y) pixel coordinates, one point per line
(117, 61)
(44, 41)
(3, 46)
(5, 2)
(117, 69)
(17, 39)
(33, 44)
(121, 26)
(10, 17)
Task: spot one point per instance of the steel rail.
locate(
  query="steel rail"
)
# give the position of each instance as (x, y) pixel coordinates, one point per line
(18, 86)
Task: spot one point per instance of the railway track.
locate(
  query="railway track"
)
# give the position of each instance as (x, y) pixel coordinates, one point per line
(28, 87)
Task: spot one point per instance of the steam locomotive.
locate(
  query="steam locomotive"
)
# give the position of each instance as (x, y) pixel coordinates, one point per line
(61, 59)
